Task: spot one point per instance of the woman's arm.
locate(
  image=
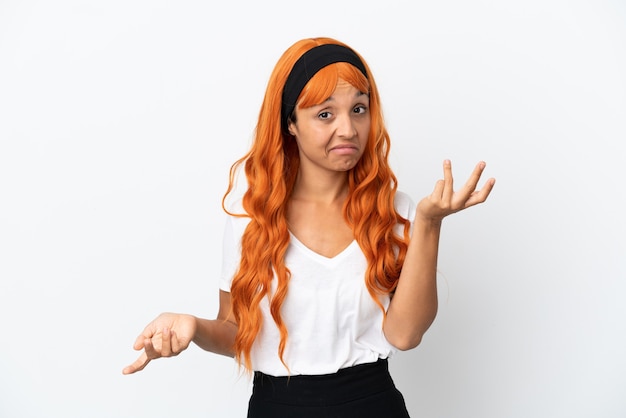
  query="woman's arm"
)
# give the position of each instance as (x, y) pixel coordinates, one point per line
(218, 335)
(414, 304)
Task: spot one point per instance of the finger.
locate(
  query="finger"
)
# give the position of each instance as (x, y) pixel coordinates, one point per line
(481, 195)
(175, 343)
(148, 332)
(442, 186)
(474, 178)
(448, 189)
(139, 341)
(138, 365)
(469, 189)
(438, 190)
(166, 343)
(151, 351)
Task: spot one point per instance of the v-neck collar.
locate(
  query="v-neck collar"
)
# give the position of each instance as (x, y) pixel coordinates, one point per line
(319, 257)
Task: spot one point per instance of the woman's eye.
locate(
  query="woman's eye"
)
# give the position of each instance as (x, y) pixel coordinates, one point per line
(360, 109)
(324, 115)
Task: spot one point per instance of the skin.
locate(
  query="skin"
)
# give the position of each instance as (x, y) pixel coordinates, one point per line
(331, 138)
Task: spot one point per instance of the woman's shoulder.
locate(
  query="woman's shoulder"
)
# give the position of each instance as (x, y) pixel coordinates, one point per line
(237, 219)
(234, 205)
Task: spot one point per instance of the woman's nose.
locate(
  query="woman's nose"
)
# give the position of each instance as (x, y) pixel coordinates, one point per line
(345, 126)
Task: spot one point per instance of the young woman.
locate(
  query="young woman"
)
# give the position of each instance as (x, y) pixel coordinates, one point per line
(328, 269)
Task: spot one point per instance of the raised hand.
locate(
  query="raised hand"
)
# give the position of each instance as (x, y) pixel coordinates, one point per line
(444, 201)
(168, 335)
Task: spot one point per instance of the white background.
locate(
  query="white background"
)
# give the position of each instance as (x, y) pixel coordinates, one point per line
(119, 121)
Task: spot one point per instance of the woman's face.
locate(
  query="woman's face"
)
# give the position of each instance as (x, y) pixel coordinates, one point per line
(332, 136)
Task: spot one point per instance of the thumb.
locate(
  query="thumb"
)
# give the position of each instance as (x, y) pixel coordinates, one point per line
(147, 334)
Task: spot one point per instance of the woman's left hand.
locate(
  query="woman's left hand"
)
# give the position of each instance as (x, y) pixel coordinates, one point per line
(444, 201)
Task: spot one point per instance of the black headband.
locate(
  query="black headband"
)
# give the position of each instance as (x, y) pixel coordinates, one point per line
(307, 66)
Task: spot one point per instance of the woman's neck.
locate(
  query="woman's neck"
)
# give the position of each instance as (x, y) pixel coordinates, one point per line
(321, 189)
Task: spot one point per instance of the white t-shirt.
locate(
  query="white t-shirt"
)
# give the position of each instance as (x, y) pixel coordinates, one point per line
(332, 320)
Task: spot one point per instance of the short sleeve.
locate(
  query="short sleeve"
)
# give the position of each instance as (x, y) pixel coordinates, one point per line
(405, 207)
(231, 248)
(230, 256)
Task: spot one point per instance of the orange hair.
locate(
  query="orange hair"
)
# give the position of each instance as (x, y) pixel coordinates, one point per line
(271, 166)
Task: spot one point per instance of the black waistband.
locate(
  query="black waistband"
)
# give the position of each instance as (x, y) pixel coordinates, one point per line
(347, 384)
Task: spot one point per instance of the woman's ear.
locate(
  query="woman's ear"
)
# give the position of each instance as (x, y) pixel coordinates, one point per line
(290, 128)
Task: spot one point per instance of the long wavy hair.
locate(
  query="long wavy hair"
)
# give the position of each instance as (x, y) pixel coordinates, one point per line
(271, 166)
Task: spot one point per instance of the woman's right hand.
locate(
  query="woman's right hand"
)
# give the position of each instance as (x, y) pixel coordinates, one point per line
(168, 335)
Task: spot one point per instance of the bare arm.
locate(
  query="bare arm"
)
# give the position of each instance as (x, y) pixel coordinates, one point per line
(170, 334)
(218, 335)
(414, 305)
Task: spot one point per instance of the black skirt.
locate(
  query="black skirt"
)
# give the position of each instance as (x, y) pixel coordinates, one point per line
(363, 391)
